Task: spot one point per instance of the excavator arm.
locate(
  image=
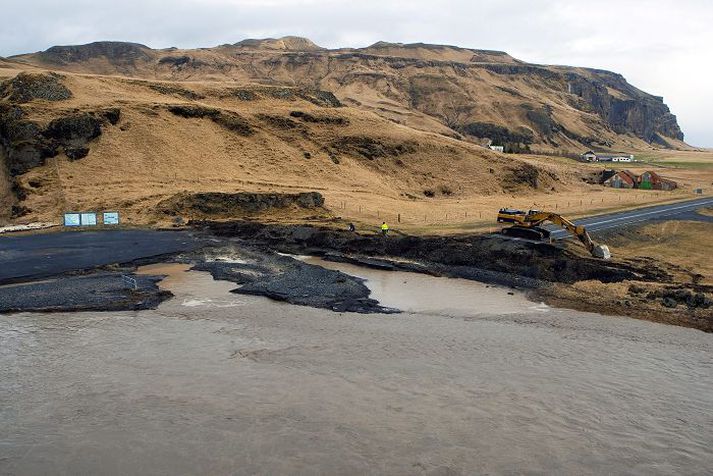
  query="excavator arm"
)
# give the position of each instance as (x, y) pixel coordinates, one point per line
(535, 219)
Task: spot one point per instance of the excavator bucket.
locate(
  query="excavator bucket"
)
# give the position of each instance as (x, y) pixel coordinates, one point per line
(601, 251)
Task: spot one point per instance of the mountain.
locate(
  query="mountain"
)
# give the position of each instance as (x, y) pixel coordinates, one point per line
(386, 130)
(479, 95)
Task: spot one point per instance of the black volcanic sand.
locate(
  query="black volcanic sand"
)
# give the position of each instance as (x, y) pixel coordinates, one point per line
(82, 271)
(100, 291)
(284, 278)
(246, 253)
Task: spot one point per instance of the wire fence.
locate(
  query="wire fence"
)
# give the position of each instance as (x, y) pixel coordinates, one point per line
(468, 212)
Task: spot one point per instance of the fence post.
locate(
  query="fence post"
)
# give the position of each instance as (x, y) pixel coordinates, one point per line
(399, 218)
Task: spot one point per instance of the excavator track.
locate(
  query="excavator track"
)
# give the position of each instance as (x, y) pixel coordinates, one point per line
(528, 233)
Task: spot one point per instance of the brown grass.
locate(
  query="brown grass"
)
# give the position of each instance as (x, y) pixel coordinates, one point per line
(685, 244)
(152, 154)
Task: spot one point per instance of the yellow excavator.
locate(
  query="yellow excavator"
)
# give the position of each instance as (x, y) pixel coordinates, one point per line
(528, 225)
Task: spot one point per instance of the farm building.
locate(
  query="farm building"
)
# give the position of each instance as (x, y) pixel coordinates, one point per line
(621, 179)
(591, 156)
(497, 148)
(650, 180)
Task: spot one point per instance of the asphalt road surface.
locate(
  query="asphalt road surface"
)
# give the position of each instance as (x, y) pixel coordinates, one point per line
(673, 211)
(29, 257)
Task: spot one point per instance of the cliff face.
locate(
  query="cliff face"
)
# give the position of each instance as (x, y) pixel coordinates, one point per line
(481, 95)
(637, 112)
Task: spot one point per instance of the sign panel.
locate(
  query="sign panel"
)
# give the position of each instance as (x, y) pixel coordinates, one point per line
(71, 219)
(88, 219)
(111, 218)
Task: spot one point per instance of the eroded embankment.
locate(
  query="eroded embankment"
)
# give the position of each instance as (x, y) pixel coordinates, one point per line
(486, 257)
(555, 274)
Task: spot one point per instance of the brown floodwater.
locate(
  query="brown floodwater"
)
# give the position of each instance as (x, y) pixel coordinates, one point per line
(472, 380)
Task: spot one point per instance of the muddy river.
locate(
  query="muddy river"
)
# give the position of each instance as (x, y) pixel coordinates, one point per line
(470, 380)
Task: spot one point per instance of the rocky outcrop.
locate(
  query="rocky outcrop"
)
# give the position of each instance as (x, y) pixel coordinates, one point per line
(629, 111)
(116, 52)
(466, 90)
(28, 86)
(26, 144)
(214, 204)
(371, 148)
(227, 119)
(22, 141)
(73, 130)
(499, 135)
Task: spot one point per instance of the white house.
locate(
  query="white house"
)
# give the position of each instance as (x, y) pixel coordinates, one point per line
(591, 156)
(497, 148)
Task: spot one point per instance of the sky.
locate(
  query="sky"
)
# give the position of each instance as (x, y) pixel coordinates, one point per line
(661, 46)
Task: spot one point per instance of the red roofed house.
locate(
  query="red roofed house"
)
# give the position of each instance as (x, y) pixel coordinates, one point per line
(650, 180)
(621, 179)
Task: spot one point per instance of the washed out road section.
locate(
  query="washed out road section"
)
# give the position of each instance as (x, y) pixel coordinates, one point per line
(30, 257)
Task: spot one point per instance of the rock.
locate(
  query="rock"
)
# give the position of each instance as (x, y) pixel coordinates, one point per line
(498, 134)
(528, 176)
(28, 86)
(227, 119)
(23, 141)
(279, 122)
(74, 130)
(669, 302)
(634, 111)
(371, 148)
(118, 53)
(181, 62)
(236, 204)
(17, 211)
(175, 91)
(340, 121)
(112, 115)
(321, 98)
(543, 122)
(243, 94)
(76, 153)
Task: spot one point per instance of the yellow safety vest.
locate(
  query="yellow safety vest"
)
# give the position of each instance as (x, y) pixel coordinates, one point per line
(384, 227)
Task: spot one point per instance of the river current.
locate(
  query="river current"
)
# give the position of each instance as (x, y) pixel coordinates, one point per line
(469, 380)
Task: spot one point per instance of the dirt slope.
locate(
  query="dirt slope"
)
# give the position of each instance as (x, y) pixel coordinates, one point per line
(77, 142)
(484, 96)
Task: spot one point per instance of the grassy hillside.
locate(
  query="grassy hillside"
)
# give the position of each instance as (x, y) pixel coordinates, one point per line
(390, 132)
(226, 137)
(479, 95)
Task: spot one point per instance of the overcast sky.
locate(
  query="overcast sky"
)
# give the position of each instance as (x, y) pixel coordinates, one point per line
(660, 46)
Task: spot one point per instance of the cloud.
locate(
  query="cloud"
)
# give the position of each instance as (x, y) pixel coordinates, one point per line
(661, 46)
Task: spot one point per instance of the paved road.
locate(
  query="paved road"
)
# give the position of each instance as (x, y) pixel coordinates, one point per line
(620, 219)
(28, 257)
